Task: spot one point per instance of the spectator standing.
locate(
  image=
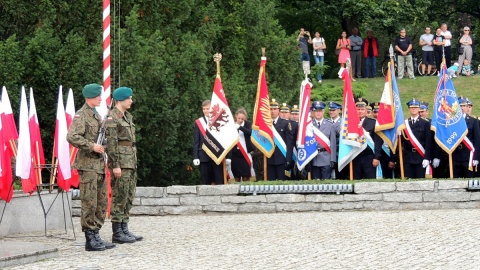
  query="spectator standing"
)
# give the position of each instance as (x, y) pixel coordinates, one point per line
(426, 41)
(303, 40)
(356, 53)
(465, 42)
(448, 44)
(343, 45)
(319, 48)
(370, 53)
(403, 45)
(438, 42)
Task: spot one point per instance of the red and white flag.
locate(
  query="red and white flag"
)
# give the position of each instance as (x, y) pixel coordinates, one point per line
(62, 148)
(24, 161)
(35, 140)
(6, 187)
(10, 134)
(221, 134)
(69, 114)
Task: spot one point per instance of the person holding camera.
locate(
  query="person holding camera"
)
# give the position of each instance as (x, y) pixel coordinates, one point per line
(319, 48)
(304, 39)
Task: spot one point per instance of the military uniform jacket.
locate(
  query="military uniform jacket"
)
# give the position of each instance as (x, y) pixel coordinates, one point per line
(324, 157)
(121, 149)
(369, 126)
(421, 130)
(198, 152)
(284, 128)
(83, 135)
(461, 153)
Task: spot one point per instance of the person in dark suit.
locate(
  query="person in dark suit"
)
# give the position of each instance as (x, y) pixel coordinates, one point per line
(294, 115)
(334, 111)
(280, 161)
(209, 170)
(240, 166)
(461, 154)
(365, 164)
(324, 162)
(416, 159)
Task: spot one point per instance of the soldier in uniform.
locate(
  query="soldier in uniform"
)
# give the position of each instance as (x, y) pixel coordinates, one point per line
(90, 163)
(375, 106)
(461, 154)
(285, 111)
(369, 111)
(324, 162)
(334, 111)
(424, 111)
(294, 115)
(209, 170)
(365, 164)
(278, 163)
(122, 161)
(387, 159)
(415, 136)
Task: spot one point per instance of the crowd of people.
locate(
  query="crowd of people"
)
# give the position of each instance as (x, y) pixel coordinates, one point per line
(433, 46)
(422, 157)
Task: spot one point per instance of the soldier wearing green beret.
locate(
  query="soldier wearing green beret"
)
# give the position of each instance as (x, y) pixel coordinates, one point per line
(90, 164)
(122, 162)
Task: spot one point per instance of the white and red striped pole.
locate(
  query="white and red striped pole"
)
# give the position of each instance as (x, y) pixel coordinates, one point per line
(106, 99)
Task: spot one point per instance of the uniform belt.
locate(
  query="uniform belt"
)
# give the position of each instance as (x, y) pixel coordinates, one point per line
(126, 143)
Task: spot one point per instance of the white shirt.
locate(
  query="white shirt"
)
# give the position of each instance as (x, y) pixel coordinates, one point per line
(447, 40)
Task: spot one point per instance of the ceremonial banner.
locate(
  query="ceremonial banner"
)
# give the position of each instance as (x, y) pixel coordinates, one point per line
(262, 133)
(24, 164)
(221, 134)
(6, 187)
(352, 138)
(62, 148)
(447, 121)
(390, 119)
(306, 144)
(35, 140)
(69, 114)
(10, 134)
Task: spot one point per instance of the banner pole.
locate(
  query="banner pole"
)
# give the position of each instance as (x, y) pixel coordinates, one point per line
(351, 170)
(450, 162)
(264, 168)
(400, 152)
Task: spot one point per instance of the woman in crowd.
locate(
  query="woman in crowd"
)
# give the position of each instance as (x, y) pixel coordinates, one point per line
(318, 51)
(465, 42)
(343, 45)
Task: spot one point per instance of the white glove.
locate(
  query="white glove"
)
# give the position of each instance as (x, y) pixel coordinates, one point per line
(340, 72)
(475, 163)
(425, 163)
(436, 162)
(228, 161)
(196, 162)
(237, 126)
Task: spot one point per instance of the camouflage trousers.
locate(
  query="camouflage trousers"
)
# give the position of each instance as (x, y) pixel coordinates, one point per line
(123, 193)
(93, 193)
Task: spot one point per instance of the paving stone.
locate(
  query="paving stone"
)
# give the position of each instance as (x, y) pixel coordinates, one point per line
(446, 197)
(452, 184)
(244, 199)
(416, 186)
(298, 207)
(200, 200)
(256, 208)
(403, 197)
(182, 210)
(285, 198)
(160, 201)
(381, 205)
(362, 197)
(342, 206)
(418, 206)
(218, 190)
(221, 208)
(150, 192)
(324, 198)
(374, 187)
(146, 210)
(182, 190)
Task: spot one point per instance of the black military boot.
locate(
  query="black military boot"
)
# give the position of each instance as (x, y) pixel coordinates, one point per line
(91, 244)
(100, 240)
(118, 235)
(127, 232)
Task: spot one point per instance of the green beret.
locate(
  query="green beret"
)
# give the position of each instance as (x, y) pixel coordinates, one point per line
(122, 93)
(92, 90)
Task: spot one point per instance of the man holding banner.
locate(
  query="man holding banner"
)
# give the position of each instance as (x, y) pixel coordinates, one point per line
(324, 132)
(281, 160)
(417, 143)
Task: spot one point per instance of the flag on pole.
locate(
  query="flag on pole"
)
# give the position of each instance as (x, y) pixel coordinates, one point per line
(262, 133)
(6, 187)
(35, 140)
(447, 121)
(390, 119)
(306, 143)
(10, 129)
(62, 148)
(221, 134)
(352, 138)
(24, 161)
(69, 114)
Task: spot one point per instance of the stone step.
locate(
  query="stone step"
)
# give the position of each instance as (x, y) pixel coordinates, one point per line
(19, 253)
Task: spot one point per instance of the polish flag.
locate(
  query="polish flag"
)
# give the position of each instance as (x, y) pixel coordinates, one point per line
(9, 127)
(35, 140)
(6, 187)
(69, 114)
(61, 146)
(24, 161)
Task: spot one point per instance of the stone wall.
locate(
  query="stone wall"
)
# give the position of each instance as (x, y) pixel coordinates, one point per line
(187, 200)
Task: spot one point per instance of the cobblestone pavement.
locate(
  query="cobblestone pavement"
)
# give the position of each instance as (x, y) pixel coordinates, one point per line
(435, 239)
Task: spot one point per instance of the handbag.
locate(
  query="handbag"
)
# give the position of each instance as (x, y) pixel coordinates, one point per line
(460, 50)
